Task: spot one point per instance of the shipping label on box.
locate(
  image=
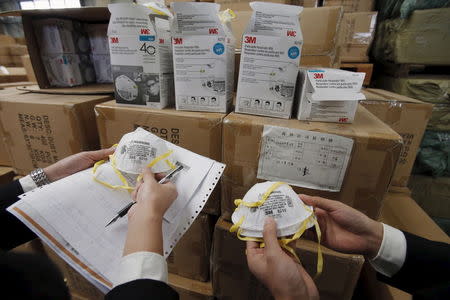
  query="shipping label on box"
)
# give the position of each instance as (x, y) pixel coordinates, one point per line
(329, 95)
(270, 57)
(304, 158)
(141, 59)
(203, 52)
(57, 36)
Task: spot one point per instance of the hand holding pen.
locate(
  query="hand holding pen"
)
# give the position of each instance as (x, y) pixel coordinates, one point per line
(154, 197)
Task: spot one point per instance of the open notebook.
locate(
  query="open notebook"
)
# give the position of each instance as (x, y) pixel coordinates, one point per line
(70, 215)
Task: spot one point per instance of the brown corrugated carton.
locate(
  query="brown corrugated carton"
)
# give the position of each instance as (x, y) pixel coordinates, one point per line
(40, 129)
(28, 17)
(356, 35)
(6, 175)
(351, 5)
(191, 256)
(320, 46)
(189, 289)
(237, 5)
(371, 164)
(408, 117)
(4, 155)
(200, 132)
(402, 212)
(233, 280)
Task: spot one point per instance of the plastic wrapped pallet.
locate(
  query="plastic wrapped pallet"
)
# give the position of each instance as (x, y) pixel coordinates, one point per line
(421, 39)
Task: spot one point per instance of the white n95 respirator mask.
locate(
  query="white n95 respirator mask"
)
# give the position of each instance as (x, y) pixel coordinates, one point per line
(140, 149)
(279, 201)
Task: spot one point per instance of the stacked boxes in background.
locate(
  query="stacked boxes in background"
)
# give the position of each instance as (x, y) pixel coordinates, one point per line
(40, 129)
(351, 5)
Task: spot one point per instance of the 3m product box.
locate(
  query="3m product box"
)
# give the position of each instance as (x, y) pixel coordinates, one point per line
(200, 132)
(270, 56)
(141, 58)
(329, 95)
(408, 117)
(203, 55)
(352, 163)
(191, 256)
(233, 280)
(40, 129)
(98, 38)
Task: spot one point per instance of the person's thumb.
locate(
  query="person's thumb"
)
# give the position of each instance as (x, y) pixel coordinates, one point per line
(270, 237)
(148, 176)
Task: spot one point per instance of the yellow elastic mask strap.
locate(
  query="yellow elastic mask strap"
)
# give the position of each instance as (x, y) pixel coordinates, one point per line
(264, 197)
(319, 247)
(160, 158)
(115, 187)
(236, 226)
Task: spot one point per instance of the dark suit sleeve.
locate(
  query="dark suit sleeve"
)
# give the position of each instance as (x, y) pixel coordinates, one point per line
(142, 289)
(426, 270)
(14, 232)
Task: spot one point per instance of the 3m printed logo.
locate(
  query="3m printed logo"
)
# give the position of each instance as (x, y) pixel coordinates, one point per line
(318, 75)
(177, 41)
(145, 31)
(292, 33)
(214, 31)
(250, 40)
(343, 120)
(161, 41)
(114, 40)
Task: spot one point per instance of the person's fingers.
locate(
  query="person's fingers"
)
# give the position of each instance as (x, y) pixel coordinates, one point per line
(101, 154)
(252, 245)
(310, 286)
(270, 237)
(136, 190)
(148, 176)
(160, 176)
(326, 204)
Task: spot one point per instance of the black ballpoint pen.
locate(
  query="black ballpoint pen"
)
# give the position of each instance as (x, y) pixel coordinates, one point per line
(125, 210)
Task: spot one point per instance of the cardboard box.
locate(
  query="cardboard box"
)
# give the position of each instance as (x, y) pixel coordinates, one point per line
(141, 56)
(320, 42)
(189, 289)
(376, 149)
(13, 74)
(305, 3)
(408, 117)
(6, 175)
(402, 212)
(328, 95)
(356, 34)
(420, 39)
(269, 62)
(191, 256)
(432, 194)
(203, 55)
(6, 61)
(243, 5)
(195, 131)
(84, 14)
(40, 129)
(6, 40)
(233, 280)
(351, 5)
(17, 50)
(4, 155)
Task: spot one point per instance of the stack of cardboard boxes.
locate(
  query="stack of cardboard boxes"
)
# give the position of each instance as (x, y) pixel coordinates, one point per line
(11, 52)
(209, 261)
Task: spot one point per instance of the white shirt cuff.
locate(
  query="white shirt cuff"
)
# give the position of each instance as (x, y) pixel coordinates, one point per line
(141, 265)
(392, 253)
(27, 183)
